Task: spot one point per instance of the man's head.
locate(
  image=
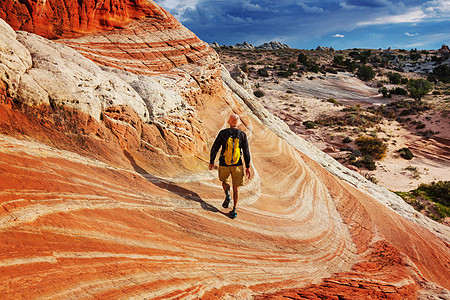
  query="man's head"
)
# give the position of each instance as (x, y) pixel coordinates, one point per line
(233, 120)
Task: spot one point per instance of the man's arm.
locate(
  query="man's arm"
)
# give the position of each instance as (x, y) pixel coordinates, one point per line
(214, 149)
(246, 152)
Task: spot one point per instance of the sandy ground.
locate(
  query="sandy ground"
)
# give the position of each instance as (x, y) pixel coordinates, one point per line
(304, 98)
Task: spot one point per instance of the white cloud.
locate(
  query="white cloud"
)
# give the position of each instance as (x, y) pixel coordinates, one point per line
(413, 16)
(411, 34)
(311, 9)
(251, 7)
(177, 7)
(437, 8)
(338, 35)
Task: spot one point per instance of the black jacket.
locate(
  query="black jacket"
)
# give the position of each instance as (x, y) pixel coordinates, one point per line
(221, 141)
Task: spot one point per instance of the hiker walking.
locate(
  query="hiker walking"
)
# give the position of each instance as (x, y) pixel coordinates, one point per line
(233, 143)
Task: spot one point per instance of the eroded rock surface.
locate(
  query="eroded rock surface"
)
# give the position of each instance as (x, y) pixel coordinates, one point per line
(110, 197)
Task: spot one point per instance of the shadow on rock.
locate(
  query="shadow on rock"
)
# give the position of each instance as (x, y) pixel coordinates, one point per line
(171, 187)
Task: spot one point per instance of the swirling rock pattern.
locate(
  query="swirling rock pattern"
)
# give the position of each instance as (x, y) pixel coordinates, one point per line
(137, 36)
(113, 203)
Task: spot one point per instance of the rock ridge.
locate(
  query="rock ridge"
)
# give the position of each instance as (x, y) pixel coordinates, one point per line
(273, 45)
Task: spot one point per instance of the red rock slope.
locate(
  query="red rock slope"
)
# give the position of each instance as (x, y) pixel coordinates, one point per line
(155, 40)
(117, 206)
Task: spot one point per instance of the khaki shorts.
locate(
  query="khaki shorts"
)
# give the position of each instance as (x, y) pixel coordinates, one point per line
(237, 174)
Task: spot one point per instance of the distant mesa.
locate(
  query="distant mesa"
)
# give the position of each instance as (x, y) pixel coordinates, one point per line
(246, 46)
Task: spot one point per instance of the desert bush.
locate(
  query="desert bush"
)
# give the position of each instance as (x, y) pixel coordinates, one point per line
(334, 101)
(414, 172)
(310, 124)
(437, 191)
(442, 73)
(315, 68)
(385, 92)
(406, 153)
(365, 73)
(365, 55)
(338, 60)
(368, 162)
(263, 72)
(285, 74)
(414, 54)
(351, 65)
(394, 78)
(404, 80)
(418, 88)
(244, 67)
(302, 58)
(372, 146)
(398, 91)
(420, 126)
(331, 70)
(428, 133)
(347, 140)
(258, 93)
(403, 107)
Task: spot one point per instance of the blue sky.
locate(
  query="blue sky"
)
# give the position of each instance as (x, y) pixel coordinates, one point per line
(305, 24)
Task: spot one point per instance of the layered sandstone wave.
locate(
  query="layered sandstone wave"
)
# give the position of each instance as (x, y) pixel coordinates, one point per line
(105, 192)
(137, 36)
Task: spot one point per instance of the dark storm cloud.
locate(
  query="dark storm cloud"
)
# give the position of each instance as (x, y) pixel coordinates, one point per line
(302, 22)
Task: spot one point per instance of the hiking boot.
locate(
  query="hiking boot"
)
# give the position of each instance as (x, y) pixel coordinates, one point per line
(233, 214)
(226, 202)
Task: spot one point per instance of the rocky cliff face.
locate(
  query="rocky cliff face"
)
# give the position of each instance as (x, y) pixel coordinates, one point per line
(105, 192)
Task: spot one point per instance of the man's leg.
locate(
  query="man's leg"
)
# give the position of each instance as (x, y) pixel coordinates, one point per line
(226, 187)
(235, 196)
(224, 173)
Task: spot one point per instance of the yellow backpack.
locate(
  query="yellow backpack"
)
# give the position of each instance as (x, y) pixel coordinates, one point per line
(232, 152)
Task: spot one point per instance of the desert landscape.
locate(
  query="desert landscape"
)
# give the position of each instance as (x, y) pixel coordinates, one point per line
(108, 111)
(308, 96)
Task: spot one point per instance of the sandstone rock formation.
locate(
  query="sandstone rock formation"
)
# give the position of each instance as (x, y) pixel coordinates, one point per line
(273, 46)
(105, 192)
(326, 49)
(246, 46)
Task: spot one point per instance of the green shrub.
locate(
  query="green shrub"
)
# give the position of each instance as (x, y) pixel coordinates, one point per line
(263, 72)
(386, 93)
(347, 140)
(442, 72)
(398, 91)
(418, 88)
(315, 68)
(394, 78)
(285, 74)
(438, 191)
(406, 153)
(258, 93)
(334, 101)
(302, 58)
(368, 162)
(331, 70)
(372, 146)
(310, 124)
(338, 60)
(365, 73)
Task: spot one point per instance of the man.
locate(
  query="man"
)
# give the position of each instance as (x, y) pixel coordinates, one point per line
(233, 143)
